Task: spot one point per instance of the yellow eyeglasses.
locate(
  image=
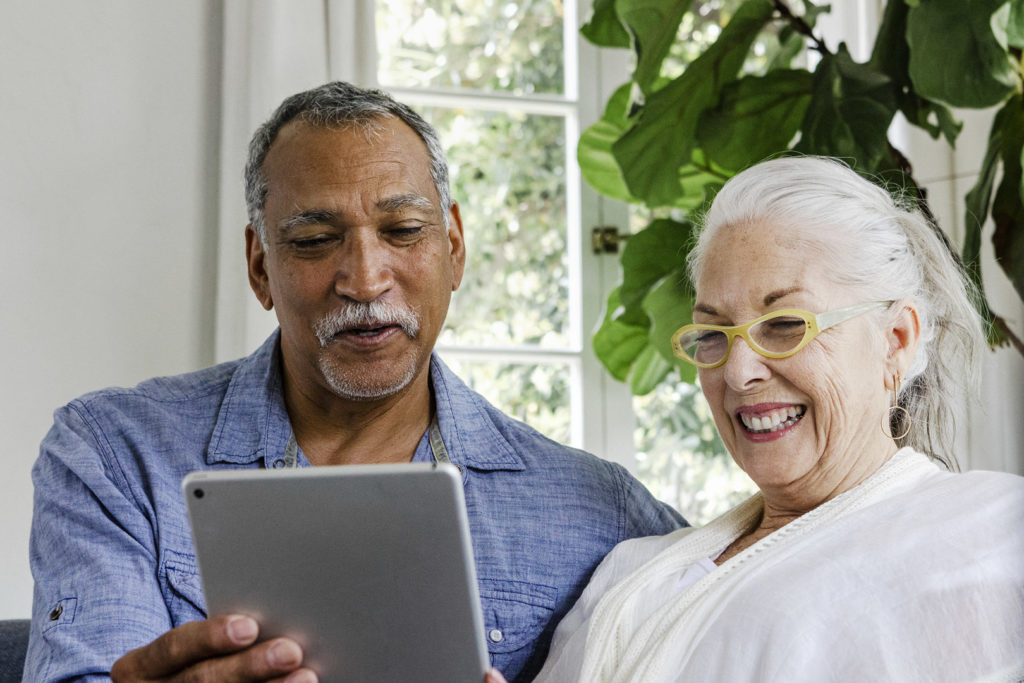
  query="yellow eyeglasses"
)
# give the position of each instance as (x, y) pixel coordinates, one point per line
(778, 334)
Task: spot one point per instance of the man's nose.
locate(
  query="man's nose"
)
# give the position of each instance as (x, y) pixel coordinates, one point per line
(365, 269)
(744, 367)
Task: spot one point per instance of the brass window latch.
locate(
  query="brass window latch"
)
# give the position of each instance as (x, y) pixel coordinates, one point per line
(605, 239)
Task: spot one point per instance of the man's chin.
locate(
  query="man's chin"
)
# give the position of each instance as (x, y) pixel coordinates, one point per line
(366, 385)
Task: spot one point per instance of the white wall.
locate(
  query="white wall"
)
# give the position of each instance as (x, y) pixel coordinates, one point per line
(108, 145)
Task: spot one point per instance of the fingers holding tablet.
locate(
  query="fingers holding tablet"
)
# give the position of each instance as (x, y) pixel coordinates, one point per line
(220, 649)
(494, 676)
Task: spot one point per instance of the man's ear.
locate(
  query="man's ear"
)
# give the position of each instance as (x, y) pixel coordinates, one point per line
(457, 241)
(903, 332)
(256, 256)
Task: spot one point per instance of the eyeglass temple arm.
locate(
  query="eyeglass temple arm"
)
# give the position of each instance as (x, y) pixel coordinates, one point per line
(827, 320)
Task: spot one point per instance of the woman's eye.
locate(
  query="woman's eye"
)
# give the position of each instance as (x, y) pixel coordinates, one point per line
(785, 326)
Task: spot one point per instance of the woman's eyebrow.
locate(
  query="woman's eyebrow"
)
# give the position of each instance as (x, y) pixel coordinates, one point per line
(704, 308)
(772, 297)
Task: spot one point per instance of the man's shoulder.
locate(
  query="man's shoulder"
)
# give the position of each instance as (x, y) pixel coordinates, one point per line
(168, 389)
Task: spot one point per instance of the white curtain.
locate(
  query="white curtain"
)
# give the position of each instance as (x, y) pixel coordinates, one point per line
(272, 49)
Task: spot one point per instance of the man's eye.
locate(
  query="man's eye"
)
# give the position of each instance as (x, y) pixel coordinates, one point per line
(308, 243)
(405, 232)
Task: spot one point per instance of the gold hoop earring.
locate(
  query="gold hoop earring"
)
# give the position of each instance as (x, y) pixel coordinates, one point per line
(887, 419)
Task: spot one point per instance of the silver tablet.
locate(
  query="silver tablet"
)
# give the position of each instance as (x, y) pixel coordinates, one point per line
(368, 567)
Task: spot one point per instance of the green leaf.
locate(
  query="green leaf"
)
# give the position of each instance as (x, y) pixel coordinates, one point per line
(756, 117)
(791, 44)
(1004, 147)
(619, 341)
(669, 306)
(648, 372)
(850, 112)
(1008, 203)
(594, 152)
(663, 137)
(604, 28)
(1015, 24)
(812, 12)
(955, 57)
(698, 182)
(650, 255)
(653, 25)
(891, 56)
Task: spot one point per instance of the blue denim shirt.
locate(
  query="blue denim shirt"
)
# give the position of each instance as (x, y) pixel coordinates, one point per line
(111, 550)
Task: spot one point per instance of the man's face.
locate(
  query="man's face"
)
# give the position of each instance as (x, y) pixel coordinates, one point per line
(357, 263)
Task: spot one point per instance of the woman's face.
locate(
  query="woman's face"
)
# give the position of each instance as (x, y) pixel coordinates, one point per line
(827, 400)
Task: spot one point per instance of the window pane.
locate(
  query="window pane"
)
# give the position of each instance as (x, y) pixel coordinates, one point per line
(537, 394)
(680, 457)
(490, 45)
(508, 175)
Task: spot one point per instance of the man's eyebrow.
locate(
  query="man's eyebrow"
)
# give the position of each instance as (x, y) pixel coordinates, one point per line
(772, 297)
(308, 217)
(405, 201)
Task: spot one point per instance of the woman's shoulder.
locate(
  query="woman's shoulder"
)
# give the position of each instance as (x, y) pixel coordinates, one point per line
(628, 556)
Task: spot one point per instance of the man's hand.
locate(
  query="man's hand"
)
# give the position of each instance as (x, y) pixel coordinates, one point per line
(494, 676)
(218, 649)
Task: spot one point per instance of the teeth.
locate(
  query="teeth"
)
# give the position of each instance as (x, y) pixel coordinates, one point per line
(773, 421)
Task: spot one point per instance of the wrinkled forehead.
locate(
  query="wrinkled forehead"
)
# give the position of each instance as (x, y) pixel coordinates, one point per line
(747, 258)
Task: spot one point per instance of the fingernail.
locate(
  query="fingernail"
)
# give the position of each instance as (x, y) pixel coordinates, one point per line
(284, 653)
(242, 629)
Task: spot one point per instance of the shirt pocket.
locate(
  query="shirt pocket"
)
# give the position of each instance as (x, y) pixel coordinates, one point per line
(182, 589)
(515, 613)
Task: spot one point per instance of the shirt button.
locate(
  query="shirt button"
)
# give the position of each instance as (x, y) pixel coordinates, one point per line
(56, 612)
(278, 464)
(495, 635)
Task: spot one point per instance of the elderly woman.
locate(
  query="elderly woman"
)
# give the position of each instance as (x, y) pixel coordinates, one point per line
(832, 331)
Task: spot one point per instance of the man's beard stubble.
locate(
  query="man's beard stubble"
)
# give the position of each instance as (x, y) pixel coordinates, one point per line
(354, 383)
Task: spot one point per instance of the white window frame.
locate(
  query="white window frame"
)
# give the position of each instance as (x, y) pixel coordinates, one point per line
(601, 417)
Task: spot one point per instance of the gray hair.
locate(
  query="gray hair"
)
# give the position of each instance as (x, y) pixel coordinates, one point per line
(338, 104)
(884, 248)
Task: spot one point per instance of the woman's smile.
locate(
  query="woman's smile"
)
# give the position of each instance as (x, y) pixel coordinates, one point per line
(769, 421)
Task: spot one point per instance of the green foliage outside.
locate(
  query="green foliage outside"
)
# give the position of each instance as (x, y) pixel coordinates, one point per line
(508, 173)
(696, 112)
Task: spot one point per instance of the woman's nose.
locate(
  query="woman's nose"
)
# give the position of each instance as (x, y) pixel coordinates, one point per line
(744, 367)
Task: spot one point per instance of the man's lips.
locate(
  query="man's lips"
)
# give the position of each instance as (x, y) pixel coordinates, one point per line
(366, 336)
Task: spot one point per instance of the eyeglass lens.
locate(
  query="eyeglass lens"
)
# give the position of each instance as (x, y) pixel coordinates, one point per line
(775, 335)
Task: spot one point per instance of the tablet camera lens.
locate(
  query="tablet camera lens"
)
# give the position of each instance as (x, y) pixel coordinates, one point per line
(198, 493)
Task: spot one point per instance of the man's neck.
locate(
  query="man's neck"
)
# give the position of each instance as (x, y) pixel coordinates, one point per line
(334, 431)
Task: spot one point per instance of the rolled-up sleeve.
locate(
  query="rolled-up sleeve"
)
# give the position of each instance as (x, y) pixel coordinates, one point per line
(93, 557)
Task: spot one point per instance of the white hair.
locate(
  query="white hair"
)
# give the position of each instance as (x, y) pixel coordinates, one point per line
(885, 249)
(339, 105)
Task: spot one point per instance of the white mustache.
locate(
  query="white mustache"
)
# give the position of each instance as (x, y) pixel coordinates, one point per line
(367, 316)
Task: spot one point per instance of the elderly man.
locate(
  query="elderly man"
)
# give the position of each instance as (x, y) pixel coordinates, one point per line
(355, 242)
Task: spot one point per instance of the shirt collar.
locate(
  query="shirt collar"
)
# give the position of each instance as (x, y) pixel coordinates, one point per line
(253, 422)
(468, 424)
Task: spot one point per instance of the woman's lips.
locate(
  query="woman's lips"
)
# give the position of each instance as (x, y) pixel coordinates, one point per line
(769, 421)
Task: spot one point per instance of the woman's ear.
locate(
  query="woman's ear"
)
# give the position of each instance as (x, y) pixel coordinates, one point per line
(903, 331)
